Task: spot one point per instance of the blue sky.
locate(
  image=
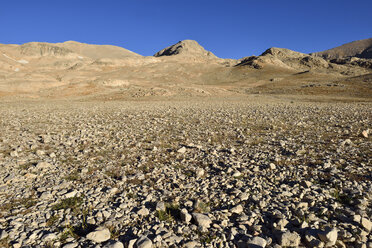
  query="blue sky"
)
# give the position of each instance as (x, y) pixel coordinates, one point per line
(228, 28)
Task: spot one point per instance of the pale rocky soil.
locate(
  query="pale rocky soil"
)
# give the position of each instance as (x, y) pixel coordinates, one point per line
(259, 172)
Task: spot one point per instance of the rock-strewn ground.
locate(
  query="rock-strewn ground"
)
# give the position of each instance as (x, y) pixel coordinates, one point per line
(185, 174)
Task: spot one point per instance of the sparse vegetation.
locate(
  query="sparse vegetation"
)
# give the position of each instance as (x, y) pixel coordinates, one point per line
(341, 197)
(73, 203)
(171, 213)
(114, 173)
(203, 207)
(5, 243)
(73, 176)
(164, 216)
(13, 204)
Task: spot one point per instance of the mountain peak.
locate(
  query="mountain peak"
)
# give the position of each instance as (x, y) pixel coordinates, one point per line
(283, 52)
(185, 48)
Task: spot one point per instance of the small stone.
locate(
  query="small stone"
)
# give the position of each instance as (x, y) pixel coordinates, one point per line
(40, 153)
(328, 236)
(237, 209)
(43, 165)
(365, 133)
(280, 225)
(190, 244)
(131, 243)
(313, 242)
(3, 234)
(237, 174)
(357, 218)
(185, 216)
(272, 166)
(17, 245)
(71, 245)
(113, 191)
(46, 195)
(243, 196)
(143, 212)
(202, 220)
(199, 172)
(302, 205)
(306, 184)
(366, 224)
(49, 237)
(30, 175)
(160, 206)
(347, 142)
(99, 235)
(70, 194)
(182, 150)
(114, 244)
(290, 239)
(143, 242)
(340, 244)
(257, 242)
(14, 154)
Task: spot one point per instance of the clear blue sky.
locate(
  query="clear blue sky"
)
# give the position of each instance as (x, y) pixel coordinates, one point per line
(228, 28)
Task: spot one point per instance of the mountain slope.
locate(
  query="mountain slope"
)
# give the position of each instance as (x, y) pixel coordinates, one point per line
(67, 49)
(285, 58)
(184, 69)
(189, 48)
(359, 48)
(98, 51)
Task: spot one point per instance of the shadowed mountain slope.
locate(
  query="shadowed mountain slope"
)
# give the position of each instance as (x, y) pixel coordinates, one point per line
(359, 48)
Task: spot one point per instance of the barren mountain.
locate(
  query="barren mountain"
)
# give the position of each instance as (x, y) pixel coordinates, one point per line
(292, 60)
(98, 51)
(359, 48)
(73, 69)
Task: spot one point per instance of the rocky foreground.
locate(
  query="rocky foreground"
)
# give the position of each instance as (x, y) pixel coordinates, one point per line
(185, 174)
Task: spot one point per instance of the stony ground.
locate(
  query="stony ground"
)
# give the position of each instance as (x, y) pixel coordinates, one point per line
(185, 174)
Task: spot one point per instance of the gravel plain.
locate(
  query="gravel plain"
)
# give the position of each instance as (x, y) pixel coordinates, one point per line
(185, 174)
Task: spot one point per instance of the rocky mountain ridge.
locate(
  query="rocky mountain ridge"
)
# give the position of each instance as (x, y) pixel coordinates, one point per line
(185, 68)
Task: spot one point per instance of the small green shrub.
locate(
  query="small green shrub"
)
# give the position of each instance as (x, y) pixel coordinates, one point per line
(52, 220)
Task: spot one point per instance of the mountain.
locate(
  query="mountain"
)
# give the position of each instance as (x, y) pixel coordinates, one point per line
(359, 48)
(68, 49)
(284, 58)
(73, 69)
(188, 48)
(98, 51)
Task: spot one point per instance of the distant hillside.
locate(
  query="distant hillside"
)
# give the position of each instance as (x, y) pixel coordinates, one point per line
(359, 48)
